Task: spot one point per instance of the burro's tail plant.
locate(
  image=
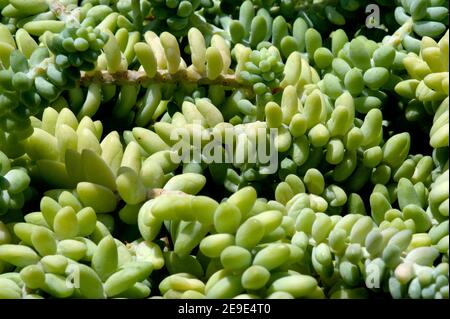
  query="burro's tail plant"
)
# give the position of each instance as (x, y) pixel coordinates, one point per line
(224, 149)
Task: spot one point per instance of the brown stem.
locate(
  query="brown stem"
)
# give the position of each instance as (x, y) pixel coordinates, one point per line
(163, 77)
(156, 192)
(65, 13)
(398, 36)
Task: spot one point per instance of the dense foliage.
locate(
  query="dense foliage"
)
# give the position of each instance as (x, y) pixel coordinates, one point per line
(224, 149)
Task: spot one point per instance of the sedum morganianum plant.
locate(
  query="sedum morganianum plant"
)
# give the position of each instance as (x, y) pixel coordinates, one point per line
(224, 149)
